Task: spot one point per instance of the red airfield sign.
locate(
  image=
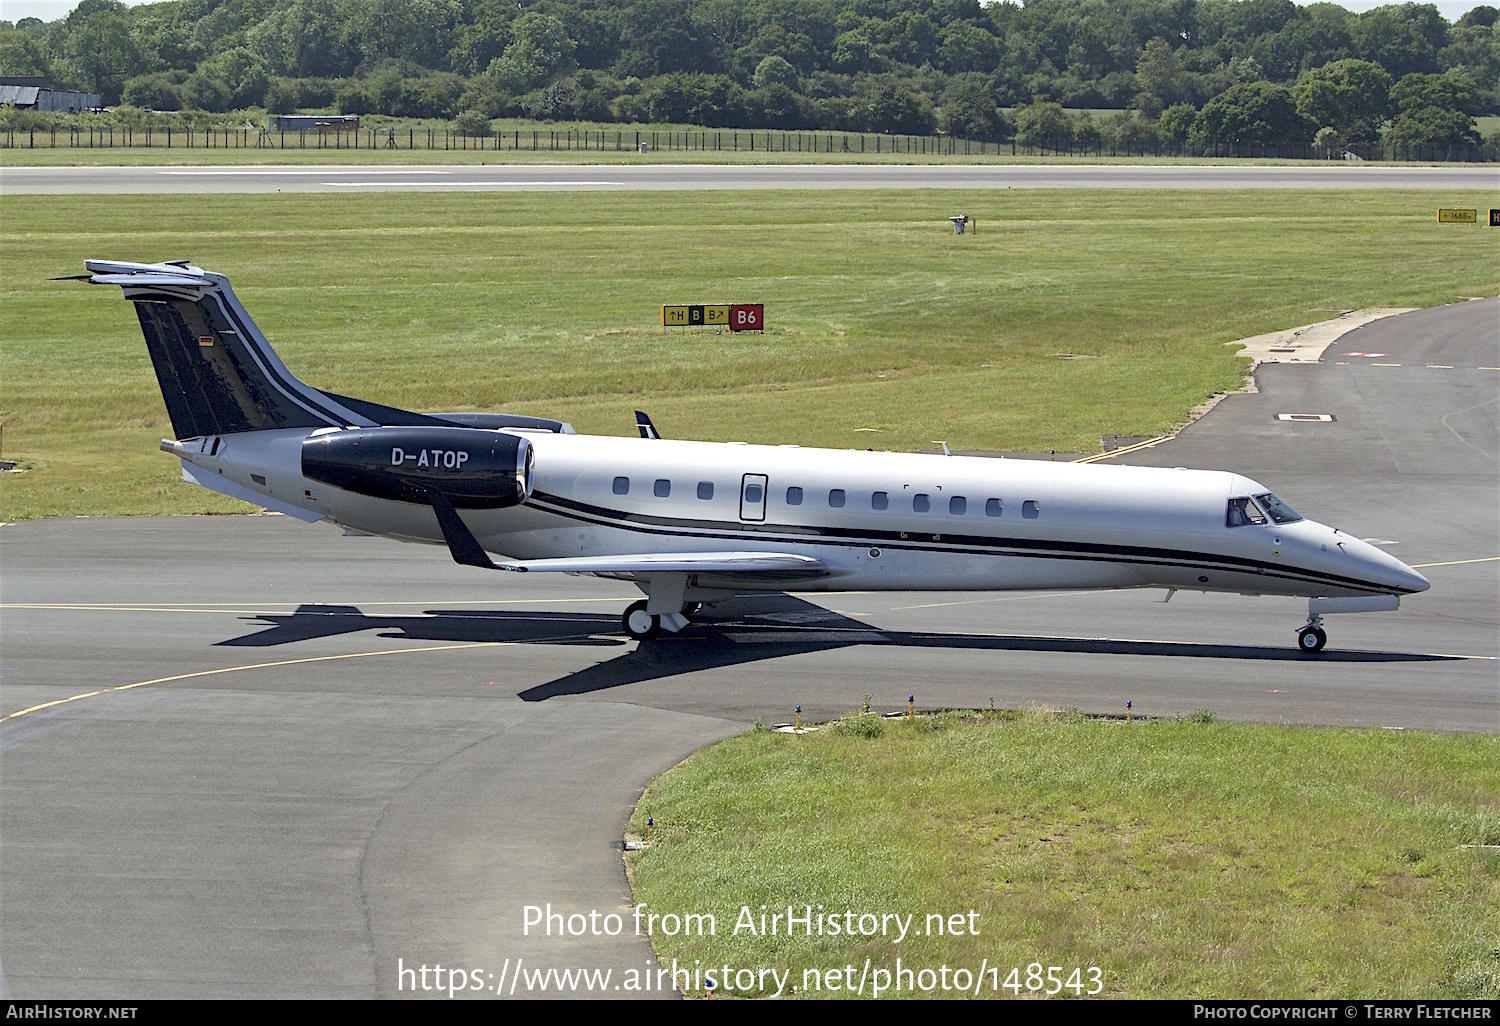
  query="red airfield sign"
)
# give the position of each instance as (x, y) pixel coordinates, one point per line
(747, 317)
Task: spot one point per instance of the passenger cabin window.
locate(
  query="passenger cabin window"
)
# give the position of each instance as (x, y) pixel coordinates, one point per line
(836, 498)
(1276, 509)
(1242, 511)
(1030, 510)
(753, 493)
(662, 488)
(622, 486)
(993, 507)
(921, 503)
(705, 489)
(880, 500)
(794, 496)
(958, 505)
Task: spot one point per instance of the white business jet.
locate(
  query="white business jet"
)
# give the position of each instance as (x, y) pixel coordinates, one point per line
(698, 522)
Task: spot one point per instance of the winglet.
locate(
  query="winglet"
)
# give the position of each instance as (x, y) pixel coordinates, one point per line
(461, 541)
(645, 427)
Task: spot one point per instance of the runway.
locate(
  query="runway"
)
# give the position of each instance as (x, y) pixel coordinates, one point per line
(615, 176)
(267, 760)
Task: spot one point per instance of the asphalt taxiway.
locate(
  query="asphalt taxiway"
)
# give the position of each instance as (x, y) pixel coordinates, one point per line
(245, 756)
(615, 176)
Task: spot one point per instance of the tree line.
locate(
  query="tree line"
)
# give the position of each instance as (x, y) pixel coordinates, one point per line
(1180, 72)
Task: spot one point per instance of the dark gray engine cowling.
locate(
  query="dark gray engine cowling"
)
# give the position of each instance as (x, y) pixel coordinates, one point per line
(470, 467)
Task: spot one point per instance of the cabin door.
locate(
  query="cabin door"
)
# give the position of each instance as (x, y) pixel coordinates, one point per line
(753, 498)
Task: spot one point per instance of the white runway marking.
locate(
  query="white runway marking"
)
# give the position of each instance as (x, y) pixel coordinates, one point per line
(452, 184)
(301, 171)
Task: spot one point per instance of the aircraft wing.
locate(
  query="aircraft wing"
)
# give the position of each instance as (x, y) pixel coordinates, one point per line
(674, 562)
(466, 550)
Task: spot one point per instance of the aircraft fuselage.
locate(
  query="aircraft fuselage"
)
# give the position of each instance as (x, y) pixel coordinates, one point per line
(876, 520)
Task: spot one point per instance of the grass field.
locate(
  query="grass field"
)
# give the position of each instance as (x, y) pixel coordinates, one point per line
(880, 318)
(1183, 859)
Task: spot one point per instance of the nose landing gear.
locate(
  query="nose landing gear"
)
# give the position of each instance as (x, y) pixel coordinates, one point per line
(1311, 637)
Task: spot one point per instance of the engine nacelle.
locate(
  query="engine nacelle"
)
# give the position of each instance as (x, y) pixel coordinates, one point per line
(470, 467)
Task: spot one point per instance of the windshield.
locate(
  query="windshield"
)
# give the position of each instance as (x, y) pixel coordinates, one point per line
(1276, 509)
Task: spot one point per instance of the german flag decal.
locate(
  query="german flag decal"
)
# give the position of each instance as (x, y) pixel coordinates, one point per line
(205, 340)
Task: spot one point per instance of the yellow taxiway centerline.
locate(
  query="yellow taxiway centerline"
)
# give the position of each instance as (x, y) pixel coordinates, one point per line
(475, 644)
(1148, 443)
(257, 666)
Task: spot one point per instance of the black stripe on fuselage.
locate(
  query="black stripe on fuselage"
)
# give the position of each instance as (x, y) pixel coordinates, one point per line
(941, 542)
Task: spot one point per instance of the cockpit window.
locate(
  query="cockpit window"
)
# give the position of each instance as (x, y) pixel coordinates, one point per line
(1276, 509)
(1241, 512)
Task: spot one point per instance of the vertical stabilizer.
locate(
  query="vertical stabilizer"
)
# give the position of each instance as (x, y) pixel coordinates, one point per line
(217, 372)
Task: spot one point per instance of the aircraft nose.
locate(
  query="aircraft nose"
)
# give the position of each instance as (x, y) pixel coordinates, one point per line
(1380, 567)
(1416, 581)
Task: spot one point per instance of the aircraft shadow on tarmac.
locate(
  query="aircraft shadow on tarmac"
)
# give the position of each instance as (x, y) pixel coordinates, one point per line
(746, 629)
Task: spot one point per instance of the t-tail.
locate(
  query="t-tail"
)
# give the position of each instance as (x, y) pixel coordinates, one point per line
(220, 376)
(217, 372)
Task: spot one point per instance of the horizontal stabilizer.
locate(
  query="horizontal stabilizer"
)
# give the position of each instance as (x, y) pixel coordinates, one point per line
(144, 278)
(676, 562)
(131, 267)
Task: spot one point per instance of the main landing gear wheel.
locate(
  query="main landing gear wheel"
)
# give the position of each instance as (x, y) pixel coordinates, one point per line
(1311, 639)
(640, 624)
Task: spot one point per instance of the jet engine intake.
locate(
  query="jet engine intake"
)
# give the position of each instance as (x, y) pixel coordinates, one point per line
(470, 467)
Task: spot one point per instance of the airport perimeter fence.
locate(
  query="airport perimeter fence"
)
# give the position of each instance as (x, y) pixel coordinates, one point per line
(556, 140)
(704, 140)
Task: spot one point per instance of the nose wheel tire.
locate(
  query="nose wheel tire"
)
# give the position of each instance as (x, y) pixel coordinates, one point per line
(640, 624)
(1311, 639)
